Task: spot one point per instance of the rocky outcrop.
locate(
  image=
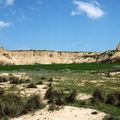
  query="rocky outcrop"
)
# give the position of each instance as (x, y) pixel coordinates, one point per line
(118, 47)
(22, 57)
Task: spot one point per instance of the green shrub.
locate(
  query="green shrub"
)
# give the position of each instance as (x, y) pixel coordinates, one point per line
(43, 78)
(50, 84)
(34, 102)
(31, 85)
(113, 98)
(108, 74)
(2, 91)
(54, 96)
(11, 105)
(16, 80)
(53, 107)
(50, 80)
(4, 118)
(13, 88)
(98, 96)
(111, 117)
(39, 83)
(72, 97)
(4, 78)
(14, 105)
(50, 93)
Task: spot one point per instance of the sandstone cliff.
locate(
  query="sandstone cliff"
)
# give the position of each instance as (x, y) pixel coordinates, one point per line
(21, 57)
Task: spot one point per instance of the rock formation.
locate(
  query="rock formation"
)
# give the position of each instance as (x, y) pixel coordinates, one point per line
(22, 57)
(118, 47)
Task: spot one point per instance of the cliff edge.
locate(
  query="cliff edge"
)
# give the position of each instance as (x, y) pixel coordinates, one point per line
(22, 57)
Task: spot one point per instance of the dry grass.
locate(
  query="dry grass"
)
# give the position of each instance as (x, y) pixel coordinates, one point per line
(14, 105)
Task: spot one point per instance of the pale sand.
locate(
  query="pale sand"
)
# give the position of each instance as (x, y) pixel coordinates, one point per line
(66, 113)
(83, 96)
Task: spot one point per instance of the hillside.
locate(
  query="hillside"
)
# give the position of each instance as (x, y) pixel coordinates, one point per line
(22, 57)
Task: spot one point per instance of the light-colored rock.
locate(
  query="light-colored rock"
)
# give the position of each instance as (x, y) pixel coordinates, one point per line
(118, 47)
(21, 57)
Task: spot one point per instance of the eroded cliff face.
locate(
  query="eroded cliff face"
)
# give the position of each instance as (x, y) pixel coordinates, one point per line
(22, 57)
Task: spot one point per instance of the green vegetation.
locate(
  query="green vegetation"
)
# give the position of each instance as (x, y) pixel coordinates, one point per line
(106, 99)
(82, 66)
(39, 82)
(63, 83)
(13, 89)
(107, 108)
(58, 98)
(31, 85)
(4, 79)
(16, 80)
(14, 105)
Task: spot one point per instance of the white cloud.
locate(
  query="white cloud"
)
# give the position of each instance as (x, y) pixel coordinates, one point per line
(92, 9)
(9, 2)
(6, 3)
(4, 24)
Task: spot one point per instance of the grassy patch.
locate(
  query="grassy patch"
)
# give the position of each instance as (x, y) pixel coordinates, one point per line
(13, 88)
(82, 66)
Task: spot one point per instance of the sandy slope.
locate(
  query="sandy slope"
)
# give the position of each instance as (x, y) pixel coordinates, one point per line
(66, 113)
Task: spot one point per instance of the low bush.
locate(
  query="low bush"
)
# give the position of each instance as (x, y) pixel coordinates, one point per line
(53, 107)
(11, 105)
(111, 117)
(43, 78)
(14, 105)
(50, 80)
(50, 84)
(16, 80)
(113, 98)
(60, 98)
(2, 91)
(39, 83)
(13, 88)
(31, 85)
(50, 93)
(4, 78)
(98, 95)
(34, 102)
(72, 97)
(54, 96)
(108, 74)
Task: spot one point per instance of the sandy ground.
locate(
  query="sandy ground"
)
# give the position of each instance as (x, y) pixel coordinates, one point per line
(66, 113)
(83, 96)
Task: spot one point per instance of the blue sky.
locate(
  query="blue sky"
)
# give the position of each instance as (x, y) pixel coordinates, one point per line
(70, 25)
